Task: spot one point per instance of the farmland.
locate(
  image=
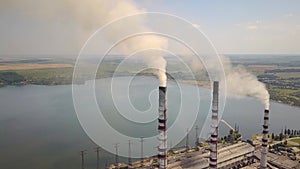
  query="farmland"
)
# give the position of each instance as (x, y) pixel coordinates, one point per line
(281, 74)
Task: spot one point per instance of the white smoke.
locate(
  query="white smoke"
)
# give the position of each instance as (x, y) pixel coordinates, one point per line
(158, 63)
(239, 81)
(89, 15)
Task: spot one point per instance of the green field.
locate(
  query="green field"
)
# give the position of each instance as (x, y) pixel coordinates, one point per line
(281, 74)
(296, 140)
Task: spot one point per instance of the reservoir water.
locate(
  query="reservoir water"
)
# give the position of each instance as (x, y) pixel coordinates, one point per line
(39, 127)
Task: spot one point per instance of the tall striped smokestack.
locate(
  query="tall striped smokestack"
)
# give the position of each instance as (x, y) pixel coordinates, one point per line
(162, 127)
(214, 127)
(263, 162)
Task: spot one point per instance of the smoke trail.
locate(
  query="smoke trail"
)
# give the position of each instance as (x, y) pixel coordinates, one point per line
(238, 80)
(158, 63)
(89, 15)
(241, 82)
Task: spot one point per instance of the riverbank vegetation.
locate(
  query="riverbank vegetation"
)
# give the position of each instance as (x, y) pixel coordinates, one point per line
(281, 74)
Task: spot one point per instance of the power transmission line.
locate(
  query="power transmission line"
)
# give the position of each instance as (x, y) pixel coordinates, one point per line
(187, 139)
(117, 156)
(197, 137)
(82, 153)
(142, 151)
(97, 151)
(129, 153)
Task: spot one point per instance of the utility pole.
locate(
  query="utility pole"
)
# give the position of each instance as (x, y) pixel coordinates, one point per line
(187, 140)
(142, 151)
(117, 157)
(235, 127)
(82, 153)
(197, 137)
(97, 151)
(129, 154)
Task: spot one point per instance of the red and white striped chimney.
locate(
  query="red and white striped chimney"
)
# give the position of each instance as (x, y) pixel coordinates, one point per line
(263, 160)
(214, 127)
(162, 127)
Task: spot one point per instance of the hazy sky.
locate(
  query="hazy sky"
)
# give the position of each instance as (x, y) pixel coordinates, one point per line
(248, 26)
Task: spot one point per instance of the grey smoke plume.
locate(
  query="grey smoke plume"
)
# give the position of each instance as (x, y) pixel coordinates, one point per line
(89, 15)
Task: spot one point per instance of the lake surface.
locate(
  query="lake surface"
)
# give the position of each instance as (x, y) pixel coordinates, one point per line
(39, 126)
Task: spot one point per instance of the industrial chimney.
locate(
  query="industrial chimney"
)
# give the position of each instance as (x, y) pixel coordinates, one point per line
(263, 161)
(214, 127)
(162, 127)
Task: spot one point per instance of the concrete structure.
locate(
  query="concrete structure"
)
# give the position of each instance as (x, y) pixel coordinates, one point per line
(278, 161)
(214, 127)
(263, 162)
(162, 127)
(236, 155)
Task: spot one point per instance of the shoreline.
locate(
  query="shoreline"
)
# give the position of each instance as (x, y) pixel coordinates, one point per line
(199, 84)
